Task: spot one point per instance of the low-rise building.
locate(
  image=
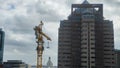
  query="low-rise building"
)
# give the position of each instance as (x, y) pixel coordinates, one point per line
(15, 64)
(117, 58)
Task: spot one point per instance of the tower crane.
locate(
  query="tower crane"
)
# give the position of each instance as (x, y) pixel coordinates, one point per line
(40, 48)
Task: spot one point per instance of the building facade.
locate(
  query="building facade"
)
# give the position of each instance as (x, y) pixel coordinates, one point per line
(15, 64)
(117, 58)
(86, 40)
(2, 35)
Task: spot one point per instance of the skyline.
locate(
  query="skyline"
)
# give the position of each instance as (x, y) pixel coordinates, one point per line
(27, 14)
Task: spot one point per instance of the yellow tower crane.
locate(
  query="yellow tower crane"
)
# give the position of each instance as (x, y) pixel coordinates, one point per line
(39, 36)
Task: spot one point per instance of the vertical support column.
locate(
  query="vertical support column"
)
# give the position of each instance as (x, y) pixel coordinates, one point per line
(37, 60)
(39, 36)
(39, 55)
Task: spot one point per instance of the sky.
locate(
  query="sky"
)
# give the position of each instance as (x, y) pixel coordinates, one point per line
(19, 17)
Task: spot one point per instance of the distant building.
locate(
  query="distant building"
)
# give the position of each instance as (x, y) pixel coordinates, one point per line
(48, 65)
(117, 58)
(44, 66)
(15, 64)
(86, 40)
(2, 35)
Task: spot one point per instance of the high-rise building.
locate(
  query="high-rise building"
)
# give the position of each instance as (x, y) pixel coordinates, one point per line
(117, 58)
(2, 35)
(86, 40)
(15, 64)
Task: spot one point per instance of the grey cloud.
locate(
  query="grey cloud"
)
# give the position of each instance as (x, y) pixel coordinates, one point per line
(21, 45)
(48, 14)
(112, 3)
(24, 43)
(20, 24)
(69, 2)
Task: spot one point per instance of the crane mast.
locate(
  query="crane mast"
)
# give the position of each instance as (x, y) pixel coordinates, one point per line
(40, 48)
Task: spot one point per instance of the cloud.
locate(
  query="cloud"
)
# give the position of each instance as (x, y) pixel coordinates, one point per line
(112, 3)
(48, 11)
(21, 24)
(112, 6)
(19, 17)
(20, 38)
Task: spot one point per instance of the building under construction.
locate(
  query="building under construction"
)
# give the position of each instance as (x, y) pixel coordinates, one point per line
(86, 40)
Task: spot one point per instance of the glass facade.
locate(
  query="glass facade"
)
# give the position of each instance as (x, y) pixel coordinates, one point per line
(2, 34)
